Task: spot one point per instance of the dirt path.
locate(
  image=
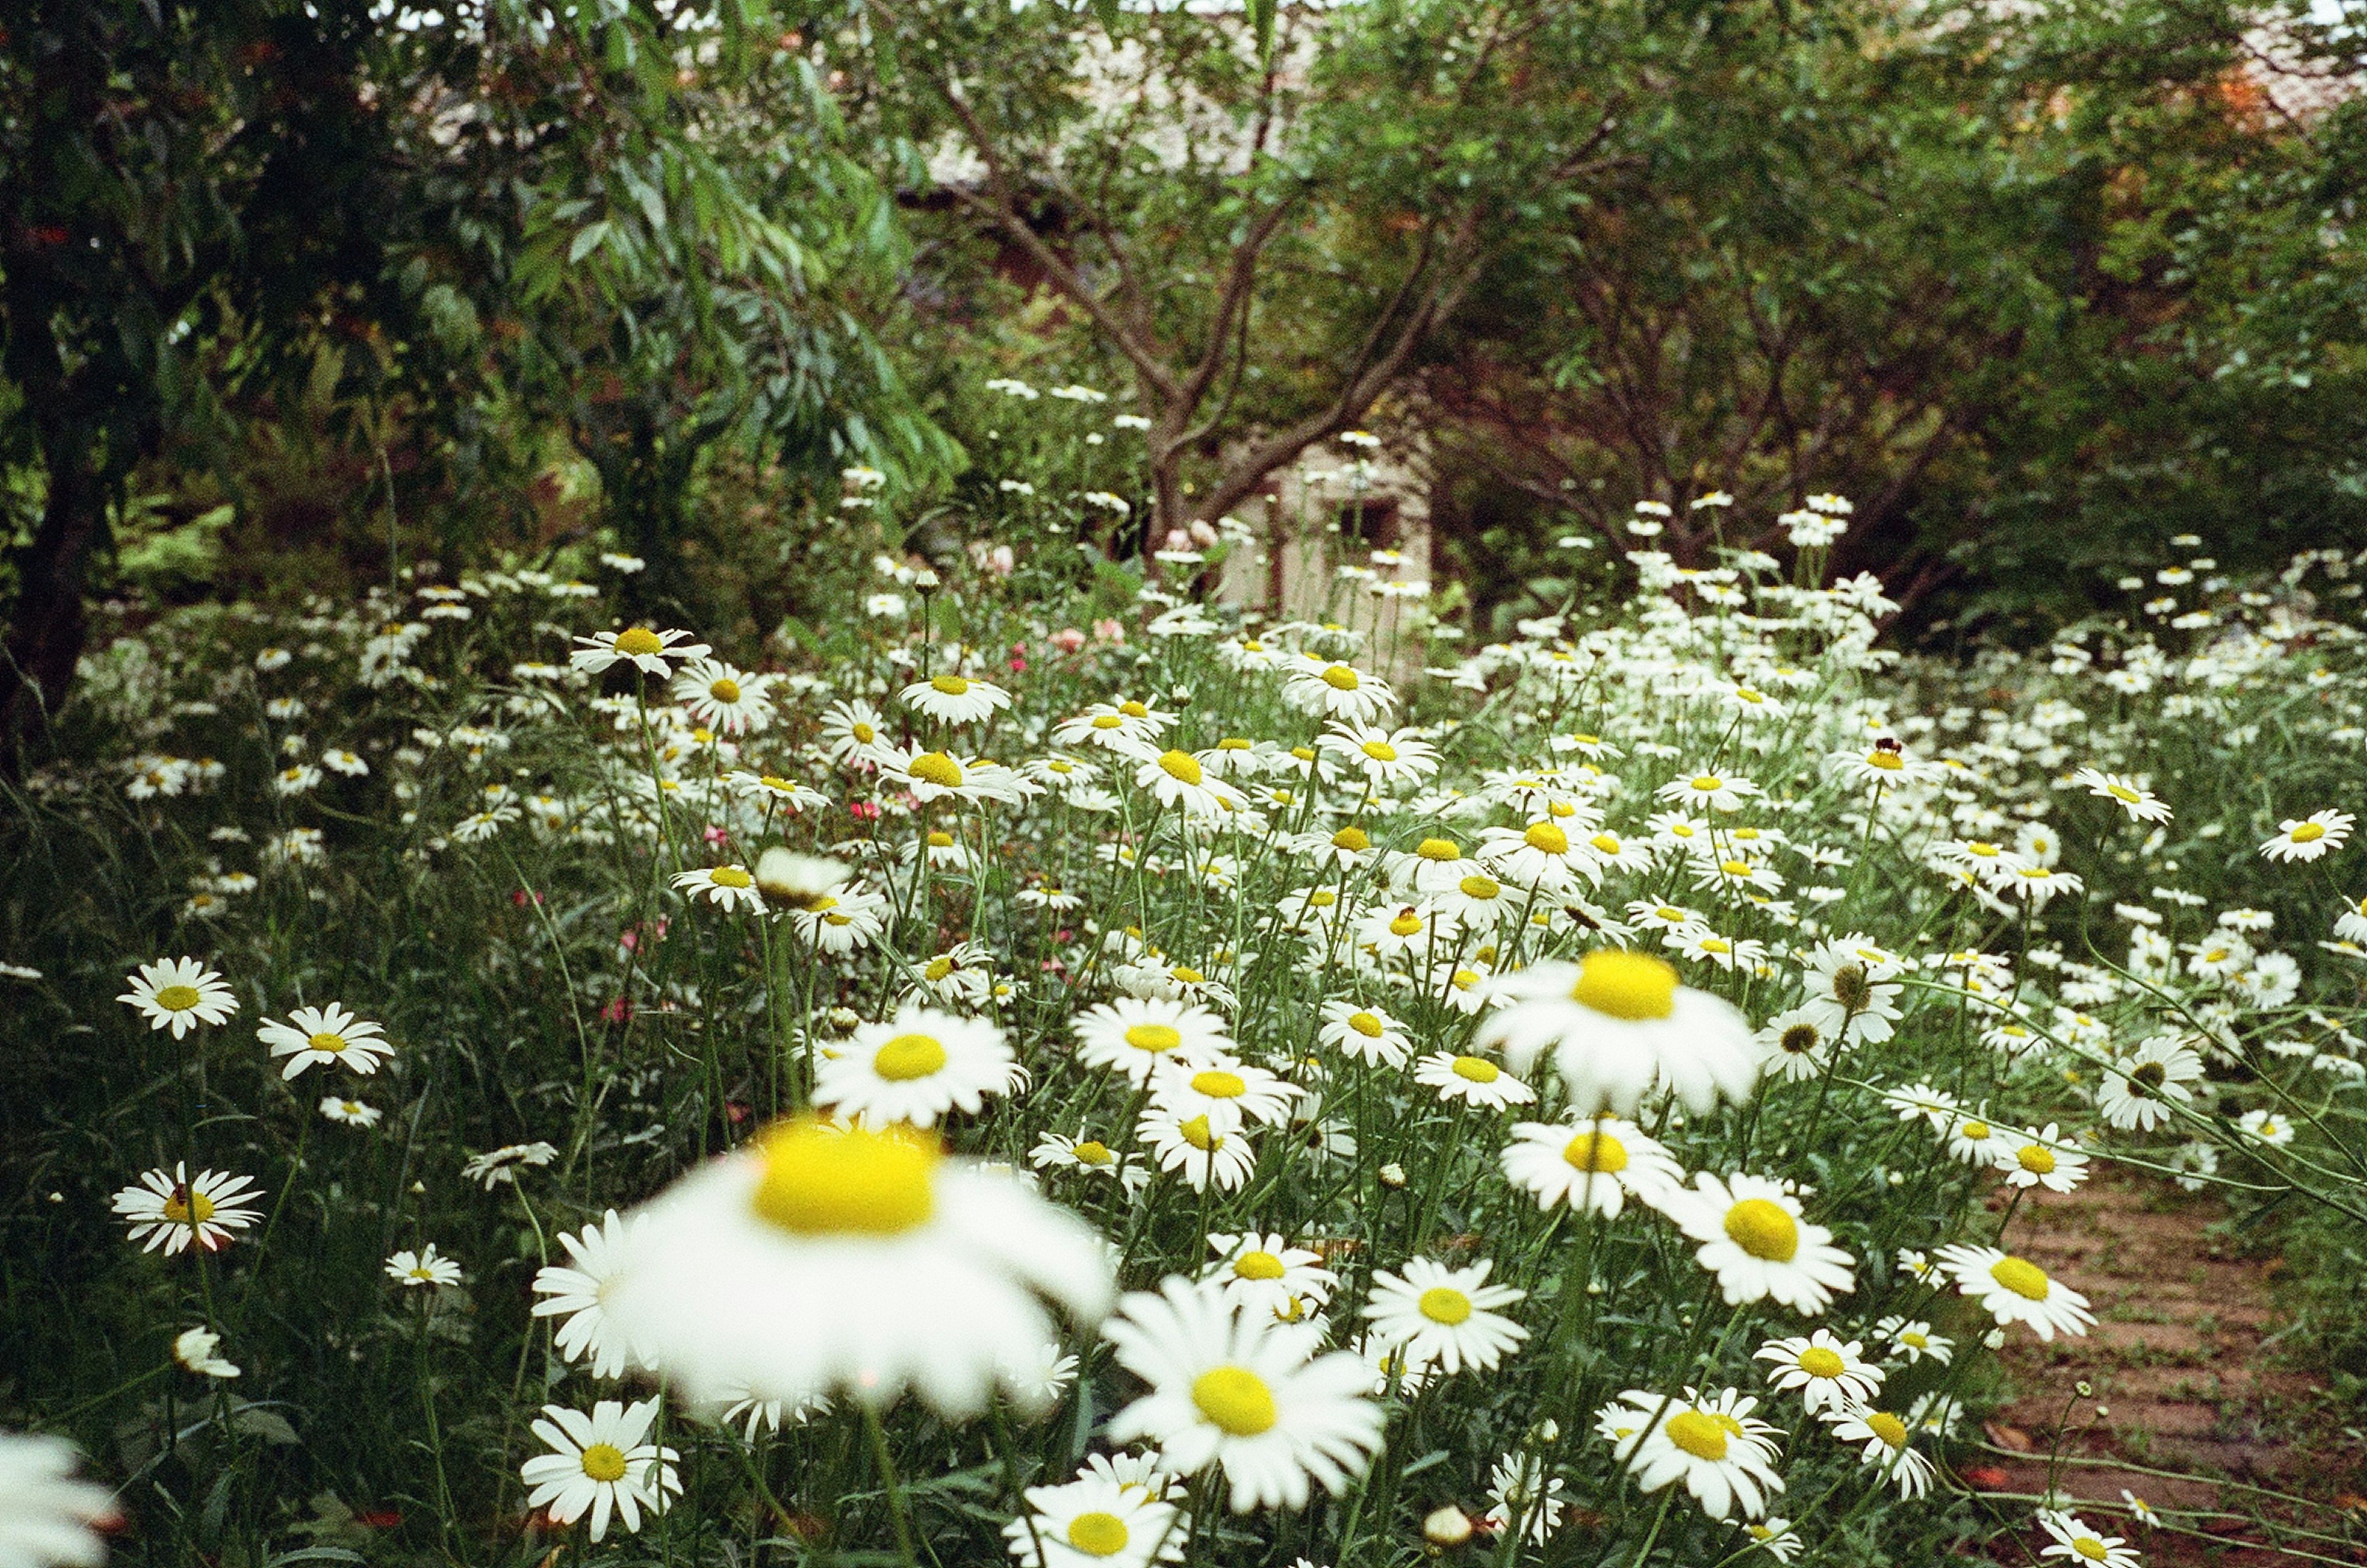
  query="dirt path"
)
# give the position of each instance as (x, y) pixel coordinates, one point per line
(2182, 1378)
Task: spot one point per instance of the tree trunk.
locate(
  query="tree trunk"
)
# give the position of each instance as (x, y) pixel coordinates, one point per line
(49, 625)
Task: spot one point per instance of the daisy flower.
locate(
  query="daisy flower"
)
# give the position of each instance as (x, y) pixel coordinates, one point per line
(1915, 1340)
(1708, 790)
(2076, 1541)
(1337, 690)
(1827, 1373)
(1538, 855)
(1128, 726)
(938, 775)
(2307, 838)
(172, 1211)
(1775, 1536)
(1754, 1239)
(815, 1260)
(1176, 778)
(1725, 1457)
(1058, 1151)
(647, 650)
(2043, 1159)
(1386, 758)
(46, 1516)
(1136, 1035)
(1265, 1271)
(955, 699)
(352, 1112)
(1792, 1046)
(2267, 1126)
(1097, 1521)
(1224, 1091)
(578, 1291)
(2014, 1290)
(1594, 1165)
(915, 1068)
(2141, 803)
(601, 1464)
(1367, 1034)
(853, 732)
(324, 1036)
(724, 698)
(1884, 1441)
(501, 1166)
(842, 921)
(1616, 1024)
(1474, 1080)
(2137, 1090)
(411, 1270)
(1441, 1316)
(1234, 1388)
(1518, 1488)
(731, 888)
(179, 994)
(1203, 1154)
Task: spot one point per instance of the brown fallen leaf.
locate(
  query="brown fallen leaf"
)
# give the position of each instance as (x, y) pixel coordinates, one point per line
(2006, 1437)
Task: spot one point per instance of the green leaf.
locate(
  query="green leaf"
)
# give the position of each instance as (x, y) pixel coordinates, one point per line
(587, 239)
(1262, 18)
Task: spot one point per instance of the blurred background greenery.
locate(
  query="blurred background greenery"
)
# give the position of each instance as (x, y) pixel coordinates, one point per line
(294, 292)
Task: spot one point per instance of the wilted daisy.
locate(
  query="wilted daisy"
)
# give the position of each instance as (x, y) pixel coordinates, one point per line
(579, 1293)
(501, 1166)
(602, 1464)
(47, 1517)
(1595, 1163)
(816, 1261)
(915, 1067)
(1444, 1318)
(646, 649)
(1827, 1372)
(1098, 1521)
(1755, 1240)
(179, 994)
(1617, 1022)
(2138, 1089)
(2307, 838)
(411, 1270)
(2014, 1290)
(1885, 1443)
(2075, 1540)
(199, 1350)
(324, 1036)
(955, 699)
(170, 1211)
(1234, 1388)
(1725, 1457)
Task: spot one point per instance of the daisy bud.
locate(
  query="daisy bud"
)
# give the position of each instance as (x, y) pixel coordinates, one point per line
(1393, 1176)
(1449, 1526)
(1994, 1339)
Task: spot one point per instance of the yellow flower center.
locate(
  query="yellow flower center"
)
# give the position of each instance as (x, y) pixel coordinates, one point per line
(1257, 1266)
(1701, 1436)
(2036, 1160)
(1820, 1362)
(1180, 766)
(1235, 1400)
(187, 1208)
(1480, 887)
(1340, 677)
(1888, 1427)
(1218, 1084)
(730, 876)
(177, 999)
(951, 685)
(1887, 761)
(1153, 1036)
(938, 968)
(2023, 1278)
(604, 1463)
(1708, 784)
(1233, 743)
(909, 1056)
(1438, 850)
(1132, 709)
(724, 690)
(2089, 1547)
(2308, 834)
(1442, 1303)
(1406, 924)
(1093, 1151)
(1606, 843)
(1322, 899)
(1735, 868)
(1547, 838)
(818, 1181)
(1186, 975)
(1366, 1024)
(1626, 984)
(1915, 1341)
(1477, 1069)
(1303, 753)
(863, 732)
(1380, 751)
(326, 1042)
(637, 642)
(1199, 1134)
(1098, 1534)
(1597, 1152)
(936, 768)
(1107, 721)
(1761, 1228)
(2122, 794)
(1977, 1132)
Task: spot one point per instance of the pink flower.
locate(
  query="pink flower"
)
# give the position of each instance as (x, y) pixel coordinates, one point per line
(1000, 562)
(1203, 534)
(1178, 539)
(1109, 631)
(1068, 639)
(716, 835)
(862, 810)
(617, 1010)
